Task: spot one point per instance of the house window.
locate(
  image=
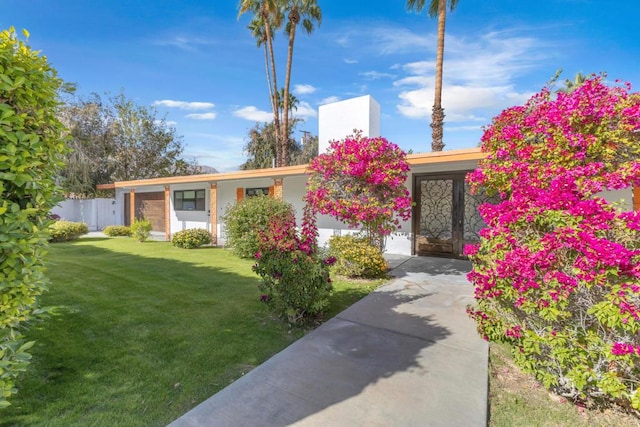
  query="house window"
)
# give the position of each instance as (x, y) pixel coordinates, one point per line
(189, 200)
(260, 191)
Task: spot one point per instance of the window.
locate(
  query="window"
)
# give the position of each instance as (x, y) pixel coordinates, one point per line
(260, 191)
(189, 200)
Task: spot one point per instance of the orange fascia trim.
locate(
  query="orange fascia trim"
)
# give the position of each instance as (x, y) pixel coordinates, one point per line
(413, 160)
(111, 186)
(445, 156)
(217, 177)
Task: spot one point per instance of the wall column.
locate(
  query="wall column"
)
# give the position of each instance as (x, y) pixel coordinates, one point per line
(277, 191)
(167, 213)
(636, 198)
(132, 206)
(213, 213)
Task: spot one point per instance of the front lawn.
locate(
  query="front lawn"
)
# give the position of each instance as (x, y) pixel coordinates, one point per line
(141, 333)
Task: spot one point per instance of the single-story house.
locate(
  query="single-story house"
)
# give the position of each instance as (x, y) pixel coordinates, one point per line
(444, 218)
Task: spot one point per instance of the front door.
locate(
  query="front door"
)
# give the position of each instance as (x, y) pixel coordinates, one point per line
(445, 216)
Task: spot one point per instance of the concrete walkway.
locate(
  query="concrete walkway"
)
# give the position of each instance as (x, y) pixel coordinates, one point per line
(405, 355)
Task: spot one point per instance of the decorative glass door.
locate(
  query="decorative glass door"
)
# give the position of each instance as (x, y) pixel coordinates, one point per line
(446, 216)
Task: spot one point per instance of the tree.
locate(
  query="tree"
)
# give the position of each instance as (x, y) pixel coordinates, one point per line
(267, 17)
(436, 8)
(307, 12)
(31, 154)
(571, 85)
(308, 152)
(261, 148)
(360, 182)
(117, 140)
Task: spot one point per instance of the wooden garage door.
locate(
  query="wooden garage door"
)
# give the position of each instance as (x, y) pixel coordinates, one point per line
(148, 205)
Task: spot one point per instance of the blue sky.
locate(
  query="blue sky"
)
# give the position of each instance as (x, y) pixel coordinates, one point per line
(198, 64)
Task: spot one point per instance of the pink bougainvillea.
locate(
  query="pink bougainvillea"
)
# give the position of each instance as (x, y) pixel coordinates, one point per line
(557, 273)
(360, 182)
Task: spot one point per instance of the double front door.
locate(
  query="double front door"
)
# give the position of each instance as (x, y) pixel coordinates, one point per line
(445, 216)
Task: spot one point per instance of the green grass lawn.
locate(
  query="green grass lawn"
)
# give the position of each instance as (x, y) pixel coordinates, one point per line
(141, 333)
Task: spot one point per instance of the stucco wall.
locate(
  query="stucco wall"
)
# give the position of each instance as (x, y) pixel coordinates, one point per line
(339, 119)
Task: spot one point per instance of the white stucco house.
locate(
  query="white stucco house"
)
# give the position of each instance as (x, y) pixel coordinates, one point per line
(444, 217)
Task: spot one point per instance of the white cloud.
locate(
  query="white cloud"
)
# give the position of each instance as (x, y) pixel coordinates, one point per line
(303, 89)
(389, 41)
(184, 105)
(183, 42)
(479, 77)
(225, 152)
(169, 123)
(253, 114)
(376, 75)
(350, 61)
(305, 110)
(202, 116)
(329, 100)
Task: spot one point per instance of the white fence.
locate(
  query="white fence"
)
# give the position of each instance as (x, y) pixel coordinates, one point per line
(96, 213)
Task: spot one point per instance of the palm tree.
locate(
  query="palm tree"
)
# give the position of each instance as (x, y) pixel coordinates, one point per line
(570, 86)
(293, 103)
(436, 8)
(307, 12)
(267, 17)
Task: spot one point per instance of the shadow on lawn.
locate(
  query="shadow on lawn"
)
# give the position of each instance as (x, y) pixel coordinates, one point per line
(130, 322)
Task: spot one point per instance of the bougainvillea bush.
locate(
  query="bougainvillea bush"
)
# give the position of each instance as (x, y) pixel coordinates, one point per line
(557, 271)
(295, 279)
(360, 181)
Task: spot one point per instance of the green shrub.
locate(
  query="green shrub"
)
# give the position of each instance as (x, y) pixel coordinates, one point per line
(31, 151)
(191, 239)
(245, 219)
(356, 257)
(141, 229)
(295, 279)
(64, 231)
(117, 230)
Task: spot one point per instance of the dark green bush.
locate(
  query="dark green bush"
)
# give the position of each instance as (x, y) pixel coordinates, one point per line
(64, 231)
(356, 257)
(245, 219)
(141, 229)
(117, 230)
(191, 239)
(31, 151)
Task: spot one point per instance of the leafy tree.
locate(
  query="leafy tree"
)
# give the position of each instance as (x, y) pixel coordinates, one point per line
(31, 151)
(308, 151)
(261, 148)
(360, 182)
(117, 140)
(436, 8)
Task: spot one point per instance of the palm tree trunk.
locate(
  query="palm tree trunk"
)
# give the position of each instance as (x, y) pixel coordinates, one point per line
(273, 91)
(437, 118)
(294, 18)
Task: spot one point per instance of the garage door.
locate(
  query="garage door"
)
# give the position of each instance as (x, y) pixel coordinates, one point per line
(149, 206)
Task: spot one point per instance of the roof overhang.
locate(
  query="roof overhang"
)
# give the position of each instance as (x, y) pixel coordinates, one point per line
(416, 159)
